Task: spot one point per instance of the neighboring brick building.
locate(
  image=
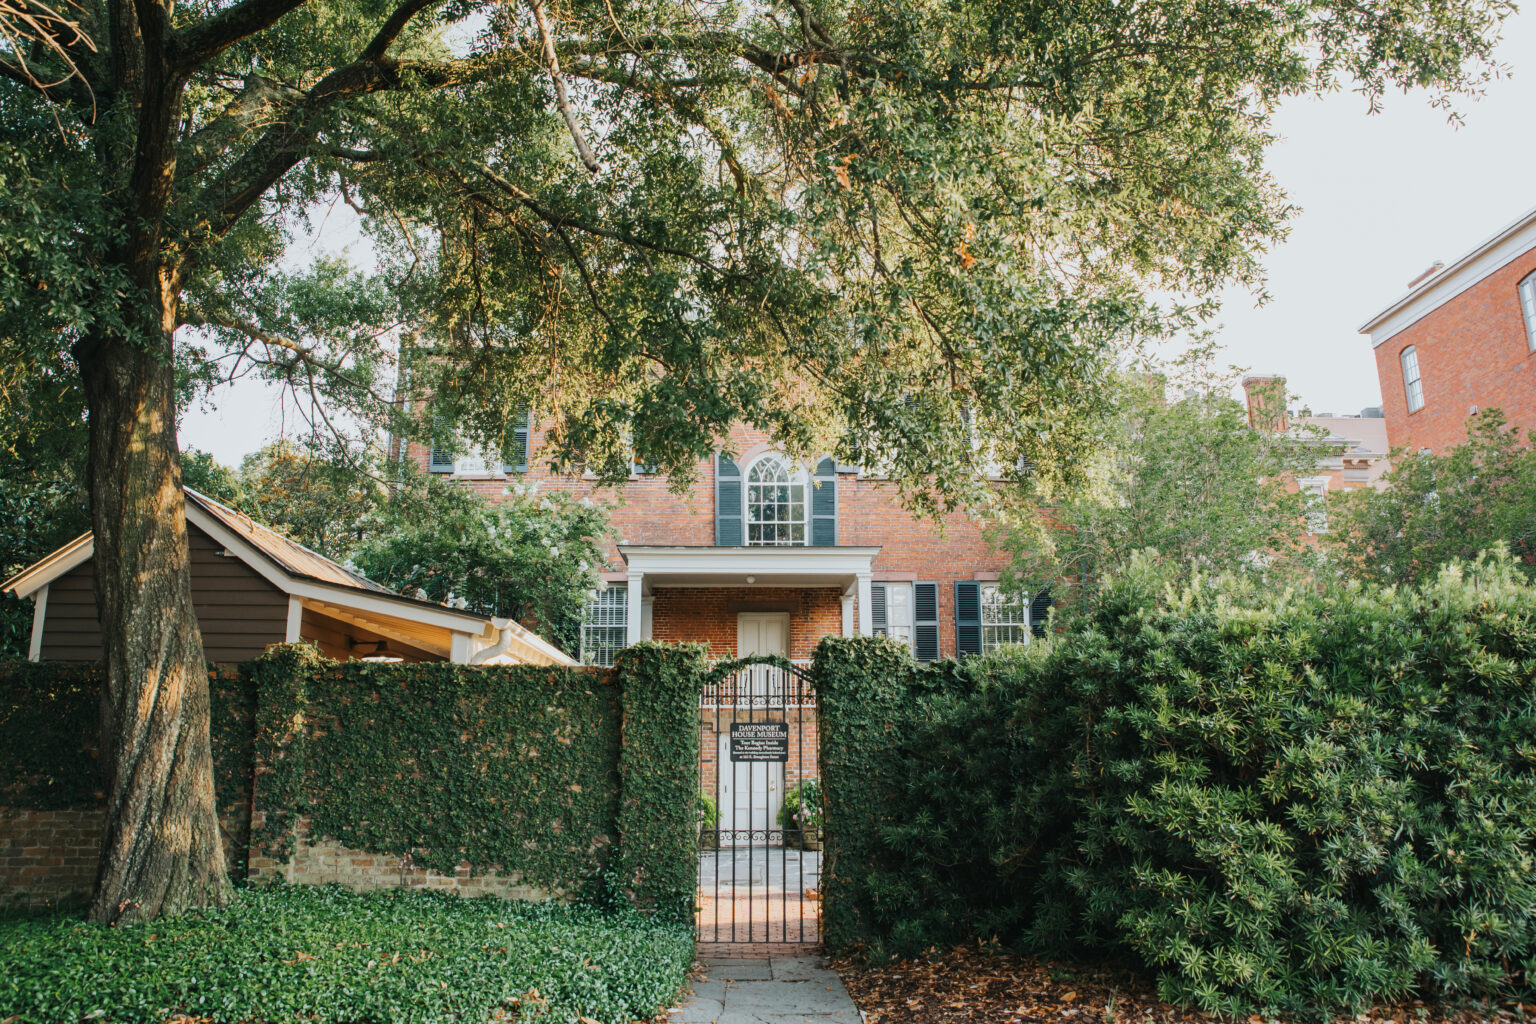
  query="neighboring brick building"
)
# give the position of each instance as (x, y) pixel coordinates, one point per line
(1462, 339)
(1352, 451)
(763, 555)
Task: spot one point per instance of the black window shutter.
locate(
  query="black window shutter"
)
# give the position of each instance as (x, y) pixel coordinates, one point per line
(727, 503)
(879, 623)
(515, 454)
(824, 505)
(440, 460)
(925, 621)
(1040, 611)
(968, 618)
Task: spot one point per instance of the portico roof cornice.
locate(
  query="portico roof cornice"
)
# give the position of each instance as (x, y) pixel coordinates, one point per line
(761, 566)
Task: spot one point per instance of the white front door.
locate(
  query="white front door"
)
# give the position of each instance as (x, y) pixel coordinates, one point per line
(752, 793)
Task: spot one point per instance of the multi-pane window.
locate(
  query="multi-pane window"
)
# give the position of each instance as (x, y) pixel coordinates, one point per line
(1316, 502)
(1004, 618)
(605, 626)
(1528, 308)
(1413, 387)
(775, 503)
(892, 614)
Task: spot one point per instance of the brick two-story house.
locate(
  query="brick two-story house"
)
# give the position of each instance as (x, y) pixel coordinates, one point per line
(1461, 340)
(765, 555)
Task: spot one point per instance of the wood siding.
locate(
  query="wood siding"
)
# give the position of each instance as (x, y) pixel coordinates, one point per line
(239, 612)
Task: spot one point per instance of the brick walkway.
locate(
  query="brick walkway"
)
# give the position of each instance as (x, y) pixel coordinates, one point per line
(771, 917)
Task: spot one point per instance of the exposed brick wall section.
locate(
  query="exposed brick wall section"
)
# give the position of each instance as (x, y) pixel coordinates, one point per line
(708, 615)
(329, 862)
(868, 514)
(1472, 350)
(48, 858)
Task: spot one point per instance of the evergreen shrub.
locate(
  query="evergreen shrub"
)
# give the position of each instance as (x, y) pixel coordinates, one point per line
(1290, 801)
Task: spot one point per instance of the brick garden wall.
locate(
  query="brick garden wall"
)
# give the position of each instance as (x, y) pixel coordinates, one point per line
(48, 858)
(329, 862)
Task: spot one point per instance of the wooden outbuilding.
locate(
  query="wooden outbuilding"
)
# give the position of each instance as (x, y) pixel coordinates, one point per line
(252, 587)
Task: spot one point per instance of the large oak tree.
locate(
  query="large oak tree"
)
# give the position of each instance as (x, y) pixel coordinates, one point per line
(857, 223)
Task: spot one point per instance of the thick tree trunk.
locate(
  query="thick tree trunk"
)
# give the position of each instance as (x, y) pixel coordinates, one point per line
(160, 852)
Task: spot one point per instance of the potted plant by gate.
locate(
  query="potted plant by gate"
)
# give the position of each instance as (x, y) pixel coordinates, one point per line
(800, 816)
(709, 820)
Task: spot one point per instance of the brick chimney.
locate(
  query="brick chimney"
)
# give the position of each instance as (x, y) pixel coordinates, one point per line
(1266, 402)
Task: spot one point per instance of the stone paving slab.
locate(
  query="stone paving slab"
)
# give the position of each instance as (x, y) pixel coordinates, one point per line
(780, 990)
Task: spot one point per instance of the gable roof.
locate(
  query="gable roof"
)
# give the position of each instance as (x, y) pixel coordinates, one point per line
(1498, 249)
(318, 581)
(288, 555)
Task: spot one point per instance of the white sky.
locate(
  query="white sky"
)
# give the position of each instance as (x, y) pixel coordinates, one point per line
(1381, 197)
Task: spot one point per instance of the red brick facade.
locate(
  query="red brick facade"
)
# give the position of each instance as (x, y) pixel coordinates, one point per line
(648, 513)
(1471, 340)
(708, 615)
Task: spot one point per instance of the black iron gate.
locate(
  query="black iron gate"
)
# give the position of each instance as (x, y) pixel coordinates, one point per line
(760, 838)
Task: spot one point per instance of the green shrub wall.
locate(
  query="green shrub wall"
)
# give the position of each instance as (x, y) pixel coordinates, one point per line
(1295, 801)
(50, 735)
(658, 815)
(507, 767)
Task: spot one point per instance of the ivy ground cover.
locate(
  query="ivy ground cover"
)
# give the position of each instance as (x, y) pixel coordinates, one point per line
(329, 955)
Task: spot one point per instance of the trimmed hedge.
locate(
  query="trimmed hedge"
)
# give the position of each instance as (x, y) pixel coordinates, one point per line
(1294, 802)
(512, 767)
(330, 956)
(659, 815)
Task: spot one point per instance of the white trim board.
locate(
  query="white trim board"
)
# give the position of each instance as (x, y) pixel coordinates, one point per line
(1501, 248)
(39, 617)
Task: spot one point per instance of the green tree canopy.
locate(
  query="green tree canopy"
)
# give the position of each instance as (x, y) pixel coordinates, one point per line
(529, 556)
(1183, 478)
(1438, 509)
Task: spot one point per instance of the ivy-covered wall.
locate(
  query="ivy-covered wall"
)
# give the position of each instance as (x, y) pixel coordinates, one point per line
(658, 814)
(51, 787)
(553, 780)
(506, 768)
(874, 700)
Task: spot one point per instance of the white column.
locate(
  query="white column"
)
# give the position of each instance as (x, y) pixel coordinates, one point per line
(866, 606)
(647, 615)
(295, 620)
(848, 612)
(460, 648)
(634, 616)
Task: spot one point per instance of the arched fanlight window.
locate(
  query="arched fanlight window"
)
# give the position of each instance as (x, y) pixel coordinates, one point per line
(775, 502)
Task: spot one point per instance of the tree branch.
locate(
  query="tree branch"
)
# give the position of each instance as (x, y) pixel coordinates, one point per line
(558, 220)
(392, 27)
(305, 354)
(196, 44)
(245, 181)
(547, 42)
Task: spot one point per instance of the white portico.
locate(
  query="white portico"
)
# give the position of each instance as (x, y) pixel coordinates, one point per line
(847, 569)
